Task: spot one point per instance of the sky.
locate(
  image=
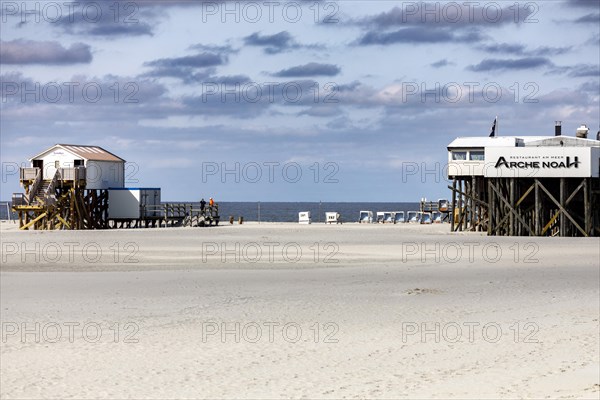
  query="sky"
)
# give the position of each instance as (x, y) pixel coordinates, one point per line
(290, 100)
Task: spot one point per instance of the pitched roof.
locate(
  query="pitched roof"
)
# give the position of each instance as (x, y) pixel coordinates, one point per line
(95, 153)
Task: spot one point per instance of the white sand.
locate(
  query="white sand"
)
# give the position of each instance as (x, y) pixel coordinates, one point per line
(387, 280)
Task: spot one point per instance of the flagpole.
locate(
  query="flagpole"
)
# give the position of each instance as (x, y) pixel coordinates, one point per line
(497, 125)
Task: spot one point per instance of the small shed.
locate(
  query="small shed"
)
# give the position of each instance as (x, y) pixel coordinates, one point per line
(103, 169)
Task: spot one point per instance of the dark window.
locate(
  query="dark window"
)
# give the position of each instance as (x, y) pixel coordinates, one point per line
(459, 155)
(476, 155)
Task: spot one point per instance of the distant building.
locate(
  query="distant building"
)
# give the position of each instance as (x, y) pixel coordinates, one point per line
(526, 185)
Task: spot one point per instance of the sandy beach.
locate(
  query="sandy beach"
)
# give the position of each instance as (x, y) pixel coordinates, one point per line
(284, 310)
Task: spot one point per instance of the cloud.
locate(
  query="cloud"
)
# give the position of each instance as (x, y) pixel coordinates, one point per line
(448, 15)
(441, 63)
(584, 70)
(276, 43)
(310, 69)
(521, 50)
(593, 18)
(224, 49)
(272, 44)
(21, 51)
(417, 35)
(201, 60)
(584, 3)
(493, 64)
(108, 19)
(192, 68)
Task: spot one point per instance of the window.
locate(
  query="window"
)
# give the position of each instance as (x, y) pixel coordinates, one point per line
(459, 155)
(78, 163)
(476, 155)
(56, 164)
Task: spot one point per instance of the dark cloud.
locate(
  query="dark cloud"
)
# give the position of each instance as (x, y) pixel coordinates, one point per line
(593, 18)
(109, 19)
(449, 15)
(189, 69)
(521, 50)
(348, 87)
(276, 43)
(310, 69)
(229, 79)
(441, 63)
(224, 49)
(585, 3)
(422, 34)
(201, 60)
(22, 51)
(510, 64)
(584, 70)
(594, 40)
(272, 44)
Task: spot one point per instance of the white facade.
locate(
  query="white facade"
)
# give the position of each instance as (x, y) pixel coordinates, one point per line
(534, 156)
(132, 203)
(103, 169)
(542, 162)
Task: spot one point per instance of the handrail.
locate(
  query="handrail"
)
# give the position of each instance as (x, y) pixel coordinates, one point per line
(52, 186)
(25, 174)
(34, 187)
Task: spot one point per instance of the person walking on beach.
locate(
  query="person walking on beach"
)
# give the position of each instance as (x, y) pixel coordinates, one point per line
(202, 204)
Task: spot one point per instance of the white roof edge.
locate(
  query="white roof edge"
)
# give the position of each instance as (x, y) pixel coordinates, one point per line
(57, 145)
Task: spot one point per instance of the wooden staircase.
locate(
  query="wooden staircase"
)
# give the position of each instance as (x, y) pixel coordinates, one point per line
(40, 194)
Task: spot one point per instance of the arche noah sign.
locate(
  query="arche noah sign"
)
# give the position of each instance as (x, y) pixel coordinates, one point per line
(539, 162)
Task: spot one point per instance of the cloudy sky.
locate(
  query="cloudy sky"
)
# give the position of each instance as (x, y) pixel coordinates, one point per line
(290, 101)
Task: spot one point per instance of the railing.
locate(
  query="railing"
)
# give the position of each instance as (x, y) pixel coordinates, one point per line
(72, 174)
(36, 185)
(49, 196)
(28, 174)
(18, 199)
(177, 210)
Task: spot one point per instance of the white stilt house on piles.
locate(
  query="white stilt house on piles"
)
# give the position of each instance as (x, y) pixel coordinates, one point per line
(536, 186)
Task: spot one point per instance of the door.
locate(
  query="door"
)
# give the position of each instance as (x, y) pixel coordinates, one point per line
(39, 164)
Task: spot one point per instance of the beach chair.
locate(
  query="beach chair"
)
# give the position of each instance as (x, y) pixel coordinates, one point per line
(366, 217)
(380, 216)
(425, 218)
(333, 218)
(399, 217)
(304, 217)
(388, 218)
(413, 217)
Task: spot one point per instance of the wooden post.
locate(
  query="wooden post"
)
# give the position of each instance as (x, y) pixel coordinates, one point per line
(461, 204)
(452, 228)
(537, 210)
(587, 210)
(490, 207)
(563, 219)
(511, 191)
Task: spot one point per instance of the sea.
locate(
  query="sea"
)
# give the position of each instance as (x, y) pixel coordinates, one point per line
(288, 211)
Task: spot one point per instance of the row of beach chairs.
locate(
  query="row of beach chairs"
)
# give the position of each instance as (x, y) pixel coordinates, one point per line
(400, 217)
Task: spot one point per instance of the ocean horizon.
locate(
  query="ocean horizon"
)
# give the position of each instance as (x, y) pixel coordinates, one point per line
(288, 211)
